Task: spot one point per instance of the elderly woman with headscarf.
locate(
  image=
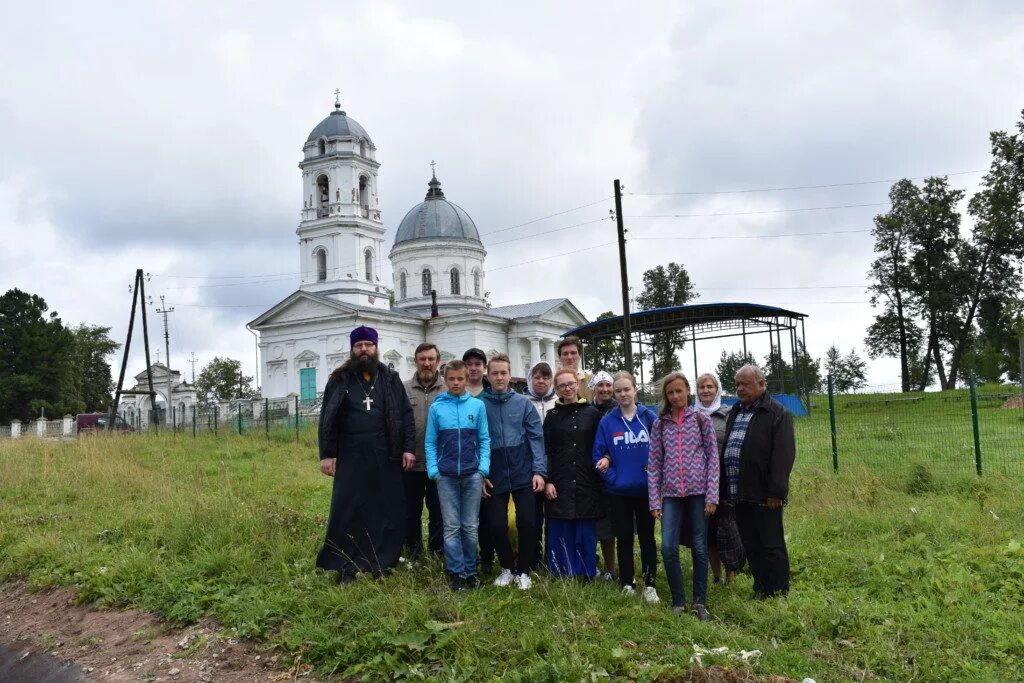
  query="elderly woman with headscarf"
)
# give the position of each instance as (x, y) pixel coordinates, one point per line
(724, 545)
(604, 400)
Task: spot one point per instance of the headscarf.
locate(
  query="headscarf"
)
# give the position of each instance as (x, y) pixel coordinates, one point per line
(601, 376)
(716, 403)
(529, 382)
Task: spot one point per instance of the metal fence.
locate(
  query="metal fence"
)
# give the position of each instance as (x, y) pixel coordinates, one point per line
(977, 429)
(270, 416)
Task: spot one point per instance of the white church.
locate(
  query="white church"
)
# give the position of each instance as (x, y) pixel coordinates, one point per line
(436, 291)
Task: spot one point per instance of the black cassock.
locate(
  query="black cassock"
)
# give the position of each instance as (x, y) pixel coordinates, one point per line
(365, 527)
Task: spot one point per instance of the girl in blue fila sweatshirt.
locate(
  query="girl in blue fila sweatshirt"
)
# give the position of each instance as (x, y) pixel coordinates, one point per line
(458, 452)
(620, 456)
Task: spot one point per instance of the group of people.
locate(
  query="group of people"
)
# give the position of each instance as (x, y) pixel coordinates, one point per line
(580, 460)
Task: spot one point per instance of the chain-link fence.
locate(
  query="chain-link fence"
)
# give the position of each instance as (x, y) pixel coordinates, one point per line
(975, 429)
(269, 417)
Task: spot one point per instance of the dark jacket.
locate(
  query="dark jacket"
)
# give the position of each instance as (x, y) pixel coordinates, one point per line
(400, 426)
(768, 452)
(420, 397)
(569, 431)
(517, 441)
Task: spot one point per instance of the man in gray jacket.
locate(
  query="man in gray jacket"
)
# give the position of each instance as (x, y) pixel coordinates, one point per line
(422, 389)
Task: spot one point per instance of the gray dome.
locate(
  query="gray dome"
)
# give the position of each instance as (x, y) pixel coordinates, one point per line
(338, 124)
(436, 217)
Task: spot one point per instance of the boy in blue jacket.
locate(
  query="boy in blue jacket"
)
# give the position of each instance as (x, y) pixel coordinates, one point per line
(620, 455)
(518, 472)
(458, 452)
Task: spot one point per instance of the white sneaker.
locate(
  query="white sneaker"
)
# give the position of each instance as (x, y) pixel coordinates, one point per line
(504, 578)
(651, 595)
(628, 590)
(524, 582)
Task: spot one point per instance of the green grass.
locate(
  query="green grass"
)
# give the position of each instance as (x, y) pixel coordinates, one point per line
(899, 573)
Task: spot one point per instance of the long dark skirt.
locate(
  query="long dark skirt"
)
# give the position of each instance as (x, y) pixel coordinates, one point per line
(366, 526)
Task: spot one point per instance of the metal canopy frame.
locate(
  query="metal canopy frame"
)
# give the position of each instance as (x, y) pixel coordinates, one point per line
(700, 322)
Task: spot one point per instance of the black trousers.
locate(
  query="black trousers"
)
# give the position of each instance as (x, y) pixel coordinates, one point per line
(526, 526)
(765, 543)
(538, 553)
(419, 489)
(629, 515)
(484, 538)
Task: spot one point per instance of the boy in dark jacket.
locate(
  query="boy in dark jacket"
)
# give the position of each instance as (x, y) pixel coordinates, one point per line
(518, 469)
(458, 450)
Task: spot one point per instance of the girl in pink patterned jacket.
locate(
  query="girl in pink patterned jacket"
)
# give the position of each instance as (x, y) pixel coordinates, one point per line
(682, 480)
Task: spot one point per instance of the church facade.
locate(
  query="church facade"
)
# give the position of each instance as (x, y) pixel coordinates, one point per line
(436, 290)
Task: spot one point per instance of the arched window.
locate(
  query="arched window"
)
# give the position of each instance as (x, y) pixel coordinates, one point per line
(324, 186)
(368, 264)
(427, 285)
(364, 195)
(321, 147)
(362, 148)
(321, 265)
(476, 283)
(455, 281)
(402, 286)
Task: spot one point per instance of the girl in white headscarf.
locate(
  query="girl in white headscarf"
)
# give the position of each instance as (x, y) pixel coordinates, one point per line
(601, 385)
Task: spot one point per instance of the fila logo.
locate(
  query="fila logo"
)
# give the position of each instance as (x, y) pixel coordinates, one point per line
(629, 438)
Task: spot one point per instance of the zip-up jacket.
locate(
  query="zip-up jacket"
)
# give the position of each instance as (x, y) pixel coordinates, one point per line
(627, 445)
(768, 453)
(569, 439)
(457, 441)
(683, 459)
(421, 398)
(517, 441)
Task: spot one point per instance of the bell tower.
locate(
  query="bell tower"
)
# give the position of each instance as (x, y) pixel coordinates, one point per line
(341, 235)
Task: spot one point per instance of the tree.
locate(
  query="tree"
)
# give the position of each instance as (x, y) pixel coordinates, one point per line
(894, 333)
(35, 358)
(730, 363)
(848, 372)
(222, 380)
(91, 378)
(780, 375)
(665, 286)
(608, 353)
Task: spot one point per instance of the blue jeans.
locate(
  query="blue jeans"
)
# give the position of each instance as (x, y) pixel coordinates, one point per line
(672, 511)
(460, 512)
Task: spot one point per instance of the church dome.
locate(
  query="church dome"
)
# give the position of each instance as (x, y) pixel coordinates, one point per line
(338, 124)
(436, 217)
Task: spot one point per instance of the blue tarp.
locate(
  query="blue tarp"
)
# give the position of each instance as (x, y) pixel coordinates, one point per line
(792, 403)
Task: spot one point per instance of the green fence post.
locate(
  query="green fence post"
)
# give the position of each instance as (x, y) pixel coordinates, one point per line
(193, 421)
(832, 423)
(296, 418)
(974, 424)
(239, 418)
(216, 419)
(266, 415)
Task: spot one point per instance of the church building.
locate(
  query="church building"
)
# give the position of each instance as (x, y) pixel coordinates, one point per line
(436, 291)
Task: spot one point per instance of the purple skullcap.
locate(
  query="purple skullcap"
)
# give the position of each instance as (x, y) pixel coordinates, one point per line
(363, 333)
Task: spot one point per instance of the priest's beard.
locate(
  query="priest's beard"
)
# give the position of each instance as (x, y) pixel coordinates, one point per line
(363, 362)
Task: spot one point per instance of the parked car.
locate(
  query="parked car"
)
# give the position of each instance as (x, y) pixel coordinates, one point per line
(91, 422)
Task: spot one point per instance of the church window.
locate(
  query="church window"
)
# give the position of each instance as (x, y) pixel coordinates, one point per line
(427, 285)
(455, 281)
(364, 195)
(321, 147)
(321, 265)
(476, 283)
(362, 148)
(368, 264)
(324, 185)
(402, 286)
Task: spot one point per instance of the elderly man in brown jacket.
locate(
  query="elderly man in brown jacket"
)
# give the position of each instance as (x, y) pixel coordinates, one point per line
(422, 389)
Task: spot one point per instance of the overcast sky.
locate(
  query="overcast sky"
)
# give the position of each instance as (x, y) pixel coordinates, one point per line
(167, 136)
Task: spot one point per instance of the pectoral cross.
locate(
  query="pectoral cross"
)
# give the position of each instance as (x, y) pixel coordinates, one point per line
(367, 402)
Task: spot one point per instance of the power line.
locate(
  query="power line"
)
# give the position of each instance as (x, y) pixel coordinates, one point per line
(544, 218)
(799, 187)
(753, 237)
(546, 258)
(754, 213)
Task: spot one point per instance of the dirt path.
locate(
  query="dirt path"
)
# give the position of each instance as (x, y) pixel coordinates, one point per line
(128, 646)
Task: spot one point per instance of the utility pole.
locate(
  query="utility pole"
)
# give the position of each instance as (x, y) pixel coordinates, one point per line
(167, 349)
(627, 332)
(193, 360)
